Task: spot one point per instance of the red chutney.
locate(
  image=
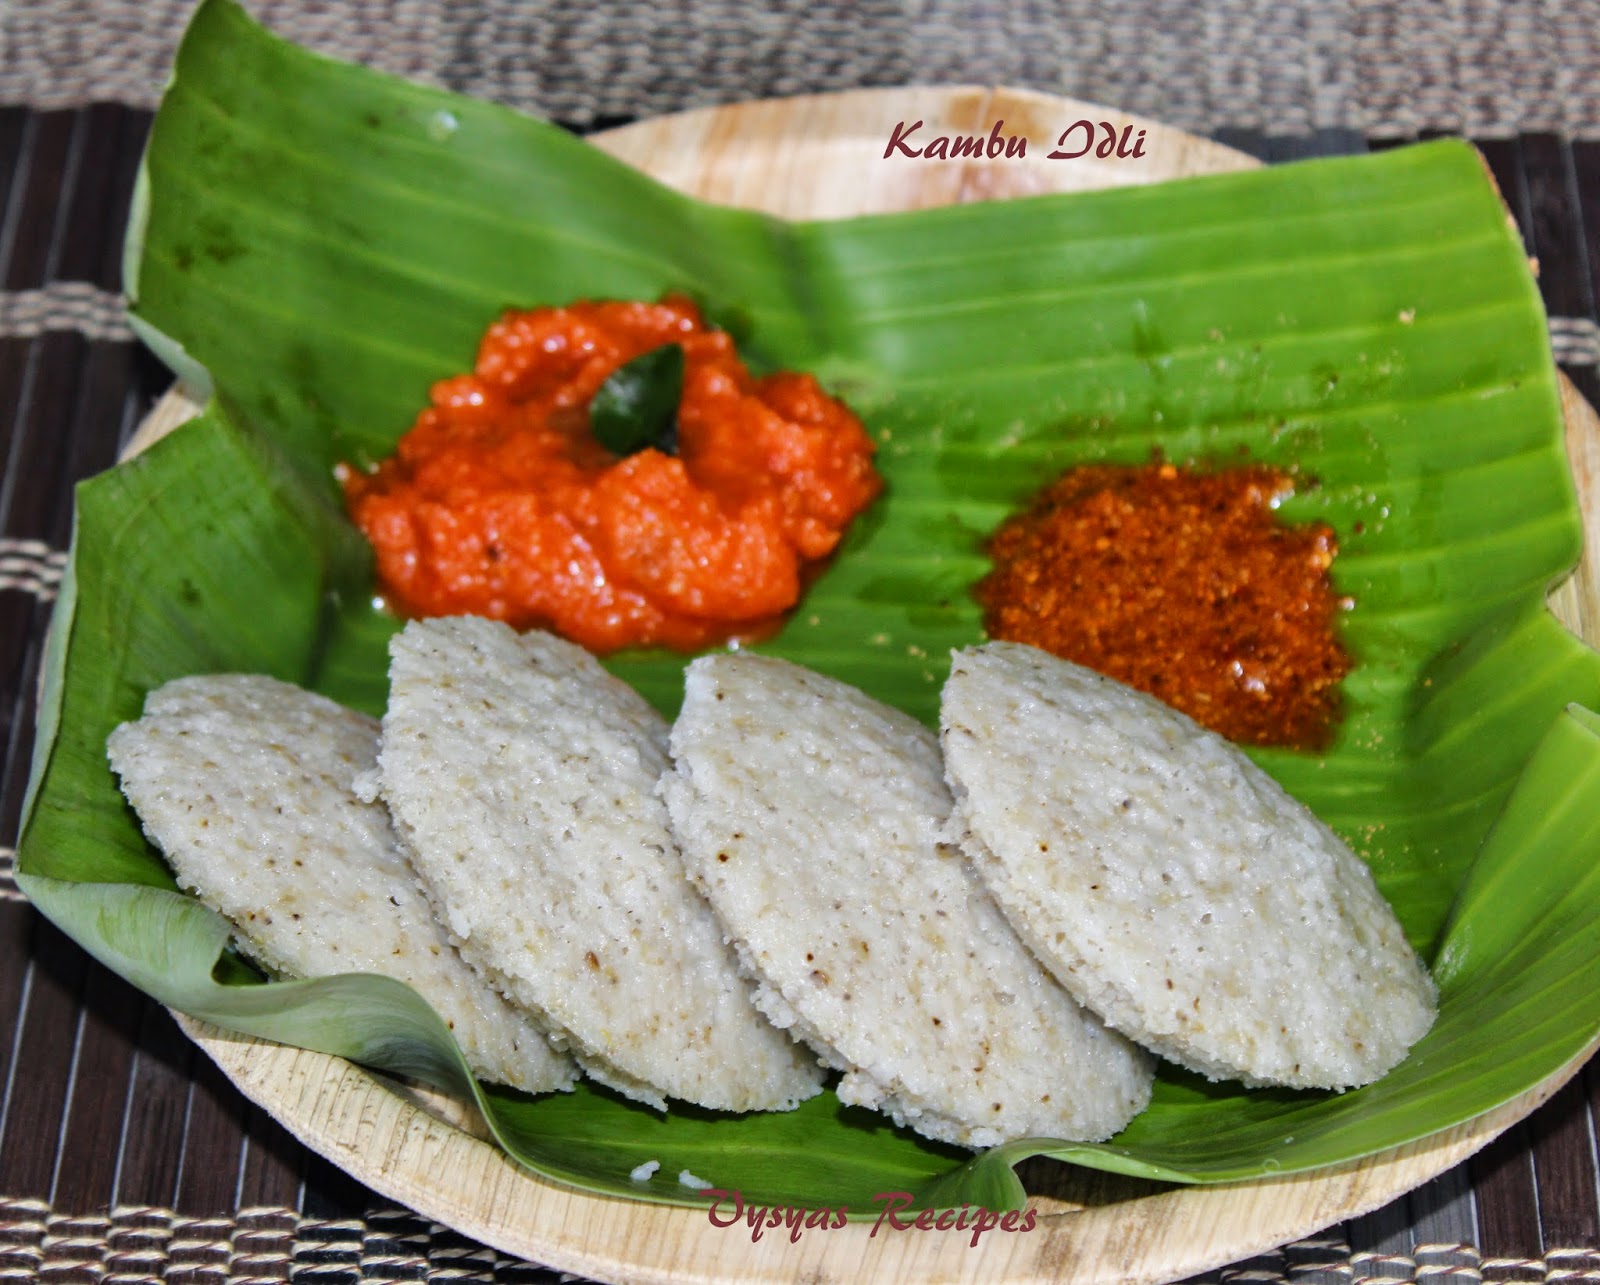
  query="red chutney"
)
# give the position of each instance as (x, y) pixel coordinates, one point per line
(500, 502)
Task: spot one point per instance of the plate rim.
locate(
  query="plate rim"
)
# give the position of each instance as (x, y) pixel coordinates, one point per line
(352, 1104)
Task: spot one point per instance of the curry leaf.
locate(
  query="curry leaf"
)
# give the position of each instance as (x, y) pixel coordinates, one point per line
(637, 406)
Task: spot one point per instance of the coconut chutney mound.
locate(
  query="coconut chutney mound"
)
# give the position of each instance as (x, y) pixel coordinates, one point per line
(1171, 884)
(246, 784)
(523, 777)
(810, 815)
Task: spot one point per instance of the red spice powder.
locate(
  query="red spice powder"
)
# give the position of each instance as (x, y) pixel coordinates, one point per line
(1182, 583)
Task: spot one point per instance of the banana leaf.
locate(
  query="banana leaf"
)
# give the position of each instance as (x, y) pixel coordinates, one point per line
(318, 243)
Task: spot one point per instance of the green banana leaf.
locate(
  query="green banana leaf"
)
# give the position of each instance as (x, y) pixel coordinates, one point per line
(320, 243)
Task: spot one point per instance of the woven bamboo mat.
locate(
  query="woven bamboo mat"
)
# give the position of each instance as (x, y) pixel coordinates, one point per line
(1478, 67)
(124, 1155)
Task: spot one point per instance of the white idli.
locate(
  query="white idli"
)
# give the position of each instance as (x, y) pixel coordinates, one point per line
(523, 777)
(810, 816)
(1171, 884)
(245, 783)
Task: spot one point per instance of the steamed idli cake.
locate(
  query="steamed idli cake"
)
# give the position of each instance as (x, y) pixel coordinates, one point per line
(523, 776)
(245, 783)
(1171, 884)
(810, 815)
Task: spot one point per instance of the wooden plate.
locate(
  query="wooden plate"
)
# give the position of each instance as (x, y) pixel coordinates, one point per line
(824, 157)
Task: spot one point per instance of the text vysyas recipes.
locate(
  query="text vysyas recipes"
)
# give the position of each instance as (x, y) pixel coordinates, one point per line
(730, 1210)
(1098, 138)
